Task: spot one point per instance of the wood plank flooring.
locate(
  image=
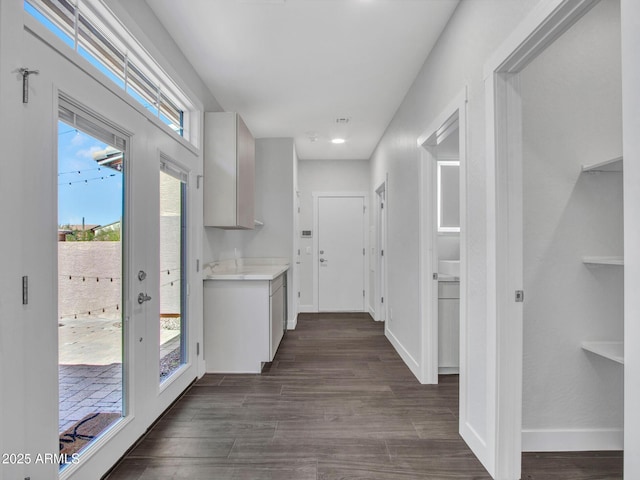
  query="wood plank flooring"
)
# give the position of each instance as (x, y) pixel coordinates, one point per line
(336, 403)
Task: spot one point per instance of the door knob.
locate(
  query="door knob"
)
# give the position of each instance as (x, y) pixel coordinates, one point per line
(143, 297)
(142, 275)
(322, 260)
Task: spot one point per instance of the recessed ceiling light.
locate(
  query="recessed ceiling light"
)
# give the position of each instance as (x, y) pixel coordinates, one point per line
(337, 140)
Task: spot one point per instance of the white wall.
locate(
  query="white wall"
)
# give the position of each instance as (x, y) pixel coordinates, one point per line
(572, 115)
(275, 161)
(323, 176)
(471, 36)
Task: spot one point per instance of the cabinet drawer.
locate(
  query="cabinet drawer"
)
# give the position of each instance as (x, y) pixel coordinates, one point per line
(448, 289)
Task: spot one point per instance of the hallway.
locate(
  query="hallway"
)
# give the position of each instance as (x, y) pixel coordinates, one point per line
(337, 402)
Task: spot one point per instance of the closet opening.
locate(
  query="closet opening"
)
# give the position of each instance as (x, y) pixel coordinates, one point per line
(555, 249)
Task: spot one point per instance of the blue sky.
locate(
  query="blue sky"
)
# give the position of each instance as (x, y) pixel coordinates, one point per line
(84, 188)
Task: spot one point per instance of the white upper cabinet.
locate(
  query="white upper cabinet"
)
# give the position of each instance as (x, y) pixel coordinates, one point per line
(229, 172)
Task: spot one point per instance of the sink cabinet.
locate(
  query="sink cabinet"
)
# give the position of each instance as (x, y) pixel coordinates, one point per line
(448, 327)
(243, 323)
(229, 172)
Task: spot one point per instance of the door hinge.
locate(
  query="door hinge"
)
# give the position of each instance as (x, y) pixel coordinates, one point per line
(519, 296)
(435, 276)
(364, 209)
(25, 290)
(25, 72)
(197, 265)
(381, 299)
(381, 206)
(363, 293)
(198, 177)
(363, 251)
(298, 294)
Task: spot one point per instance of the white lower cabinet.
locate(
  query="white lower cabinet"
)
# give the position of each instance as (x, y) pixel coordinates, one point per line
(243, 323)
(448, 327)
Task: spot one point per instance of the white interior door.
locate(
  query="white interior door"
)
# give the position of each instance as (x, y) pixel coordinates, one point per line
(341, 253)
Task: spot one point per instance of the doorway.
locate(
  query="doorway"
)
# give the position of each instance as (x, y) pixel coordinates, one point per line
(381, 254)
(529, 248)
(443, 246)
(340, 252)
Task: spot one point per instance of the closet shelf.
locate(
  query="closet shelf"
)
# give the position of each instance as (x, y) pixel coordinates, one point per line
(611, 350)
(603, 260)
(611, 165)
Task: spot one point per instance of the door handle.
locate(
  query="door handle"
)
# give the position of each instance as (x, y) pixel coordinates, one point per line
(322, 260)
(143, 297)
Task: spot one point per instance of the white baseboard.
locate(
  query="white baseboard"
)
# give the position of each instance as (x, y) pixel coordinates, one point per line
(307, 309)
(292, 324)
(372, 312)
(448, 370)
(572, 440)
(411, 362)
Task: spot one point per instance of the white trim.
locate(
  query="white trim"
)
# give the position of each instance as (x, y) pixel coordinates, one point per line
(411, 362)
(307, 308)
(630, 14)
(381, 276)
(544, 25)
(475, 442)
(548, 20)
(574, 440)
(365, 269)
(292, 324)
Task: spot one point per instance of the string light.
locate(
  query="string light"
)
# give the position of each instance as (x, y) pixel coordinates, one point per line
(85, 277)
(88, 180)
(74, 130)
(89, 312)
(81, 171)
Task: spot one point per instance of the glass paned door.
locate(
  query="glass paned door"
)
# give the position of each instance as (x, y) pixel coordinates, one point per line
(172, 270)
(90, 286)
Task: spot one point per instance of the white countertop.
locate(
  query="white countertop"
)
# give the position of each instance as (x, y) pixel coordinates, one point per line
(246, 269)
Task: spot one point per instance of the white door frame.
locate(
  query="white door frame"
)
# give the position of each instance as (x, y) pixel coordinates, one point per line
(631, 151)
(442, 125)
(381, 300)
(316, 283)
(540, 29)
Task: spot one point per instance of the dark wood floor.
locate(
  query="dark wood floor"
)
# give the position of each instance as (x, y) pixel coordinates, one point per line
(337, 403)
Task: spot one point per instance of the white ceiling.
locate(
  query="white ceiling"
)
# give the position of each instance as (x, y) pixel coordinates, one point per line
(292, 67)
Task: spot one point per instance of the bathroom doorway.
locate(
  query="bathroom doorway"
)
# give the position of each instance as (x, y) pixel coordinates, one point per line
(443, 244)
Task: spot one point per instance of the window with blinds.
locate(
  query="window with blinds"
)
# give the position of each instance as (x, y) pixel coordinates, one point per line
(112, 57)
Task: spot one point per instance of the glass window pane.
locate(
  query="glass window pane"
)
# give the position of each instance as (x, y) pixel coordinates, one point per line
(60, 19)
(172, 285)
(90, 327)
(142, 89)
(95, 47)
